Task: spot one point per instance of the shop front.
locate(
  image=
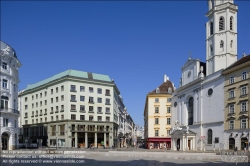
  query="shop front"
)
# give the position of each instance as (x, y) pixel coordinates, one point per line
(159, 143)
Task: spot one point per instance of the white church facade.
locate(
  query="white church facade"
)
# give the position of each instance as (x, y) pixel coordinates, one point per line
(198, 104)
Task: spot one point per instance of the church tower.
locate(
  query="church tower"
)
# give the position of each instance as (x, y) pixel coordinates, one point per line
(221, 35)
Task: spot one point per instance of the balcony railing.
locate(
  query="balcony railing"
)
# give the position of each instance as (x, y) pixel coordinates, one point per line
(9, 110)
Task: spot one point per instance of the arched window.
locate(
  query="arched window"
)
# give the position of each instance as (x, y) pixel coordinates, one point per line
(211, 49)
(231, 23)
(221, 24)
(209, 136)
(221, 45)
(190, 111)
(231, 44)
(211, 28)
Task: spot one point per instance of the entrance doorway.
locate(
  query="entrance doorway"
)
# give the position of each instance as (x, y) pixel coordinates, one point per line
(244, 142)
(231, 143)
(178, 144)
(5, 141)
(189, 144)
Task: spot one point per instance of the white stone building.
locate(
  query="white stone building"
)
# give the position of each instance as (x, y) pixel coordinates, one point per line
(9, 114)
(198, 104)
(71, 109)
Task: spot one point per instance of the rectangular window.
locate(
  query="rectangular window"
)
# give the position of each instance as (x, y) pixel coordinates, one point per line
(243, 124)
(82, 108)
(41, 95)
(99, 91)
(82, 88)
(62, 117)
(81, 98)
(36, 104)
(32, 97)
(45, 102)
(26, 107)
(73, 88)
(51, 100)
(231, 81)
(91, 118)
(5, 82)
(56, 99)
(36, 96)
(56, 89)
(91, 90)
(91, 108)
(168, 109)
(156, 109)
(26, 99)
(156, 100)
(244, 75)
(231, 108)
(156, 133)
(41, 120)
(32, 105)
(73, 98)
(45, 119)
(57, 118)
(51, 91)
(99, 100)
(62, 108)
(168, 121)
(156, 120)
(4, 66)
(231, 94)
(107, 110)
(41, 112)
(99, 109)
(91, 100)
(168, 99)
(62, 98)
(168, 132)
(51, 109)
(26, 114)
(107, 101)
(231, 124)
(26, 121)
(45, 111)
(82, 117)
(73, 116)
(73, 107)
(107, 92)
(57, 109)
(107, 119)
(244, 90)
(99, 118)
(62, 88)
(243, 106)
(41, 103)
(5, 122)
(45, 93)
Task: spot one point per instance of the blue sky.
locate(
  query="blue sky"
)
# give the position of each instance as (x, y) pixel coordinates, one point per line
(134, 42)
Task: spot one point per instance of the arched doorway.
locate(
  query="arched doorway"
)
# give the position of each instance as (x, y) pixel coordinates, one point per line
(178, 144)
(244, 142)
(5, 141)
(231, 143)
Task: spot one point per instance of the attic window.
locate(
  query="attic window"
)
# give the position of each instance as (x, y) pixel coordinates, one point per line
(157, 90)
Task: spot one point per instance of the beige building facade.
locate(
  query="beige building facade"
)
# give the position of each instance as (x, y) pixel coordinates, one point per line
(237, 83)
(70, 109)
(157, 116)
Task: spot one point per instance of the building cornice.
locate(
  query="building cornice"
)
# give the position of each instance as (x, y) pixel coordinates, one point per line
(236, 68)
(223, 6)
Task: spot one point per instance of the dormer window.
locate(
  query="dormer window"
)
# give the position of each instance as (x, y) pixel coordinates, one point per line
(169, 90)
(157, 90)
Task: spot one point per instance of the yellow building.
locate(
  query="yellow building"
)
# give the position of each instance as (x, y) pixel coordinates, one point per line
(157, 116)
(237, 82)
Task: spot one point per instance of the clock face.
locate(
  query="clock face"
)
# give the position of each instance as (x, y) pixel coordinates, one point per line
(189, 74)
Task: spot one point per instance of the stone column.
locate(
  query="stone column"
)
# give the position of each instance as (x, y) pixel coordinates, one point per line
(105, 139)
(76, 137)
(183, 143)
(86, 139)
(96, 139)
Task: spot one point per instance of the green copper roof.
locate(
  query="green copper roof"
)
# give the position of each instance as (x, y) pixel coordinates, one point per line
(74, 73)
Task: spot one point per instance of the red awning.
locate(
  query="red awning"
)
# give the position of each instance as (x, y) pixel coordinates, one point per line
(159, 139)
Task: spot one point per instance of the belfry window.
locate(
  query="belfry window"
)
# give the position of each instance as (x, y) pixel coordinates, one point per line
(231, 23)
(211, 49)
(211, 28)
(190, 110)
(221, 24)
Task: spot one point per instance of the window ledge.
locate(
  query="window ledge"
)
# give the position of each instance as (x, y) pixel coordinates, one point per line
(107, 95)
(56, 111)
(45, 114)
(91, 102)
(91, 111)
(82, 111)
(107, 112)
(72, 110)
(73, 100)
(107, 104)
(62, 111)
(99, 112)
(72, 90)
(231, 98)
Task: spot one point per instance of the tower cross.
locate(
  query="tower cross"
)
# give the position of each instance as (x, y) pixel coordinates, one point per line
(189, 55)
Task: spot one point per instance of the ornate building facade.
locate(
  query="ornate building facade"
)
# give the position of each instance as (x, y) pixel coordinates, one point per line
(9, 113)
